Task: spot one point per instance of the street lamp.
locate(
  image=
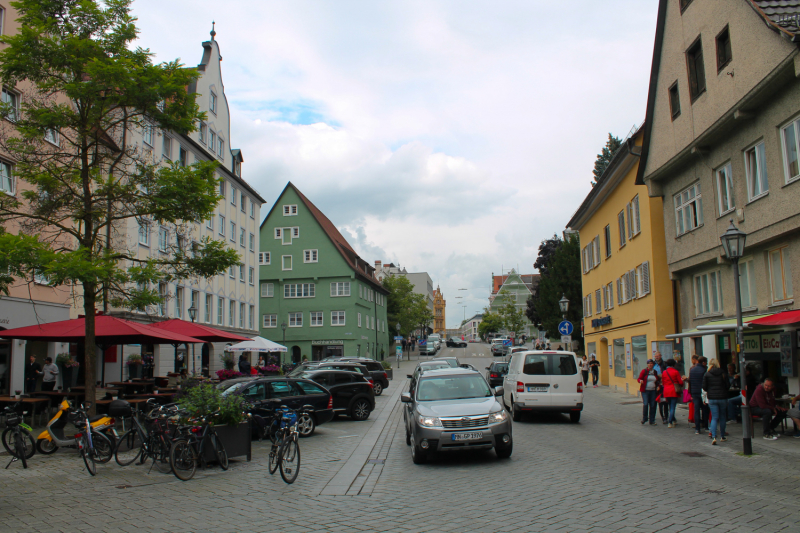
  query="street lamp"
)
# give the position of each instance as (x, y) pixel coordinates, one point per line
(283, 327)
(563, 303)
(733, 243)
(193, 315)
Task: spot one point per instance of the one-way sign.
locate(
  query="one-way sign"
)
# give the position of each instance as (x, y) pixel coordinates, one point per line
(565, 327)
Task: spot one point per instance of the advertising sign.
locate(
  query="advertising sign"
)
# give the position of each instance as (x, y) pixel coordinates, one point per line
(628, 355)
(787, 355)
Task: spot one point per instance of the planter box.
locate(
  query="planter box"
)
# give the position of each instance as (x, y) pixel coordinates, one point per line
(389, 372)
(134, 371)
(236, 440)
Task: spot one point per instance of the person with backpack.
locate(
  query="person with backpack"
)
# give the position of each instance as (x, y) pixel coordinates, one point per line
(649, 385)
(715, 383)
(672, 384)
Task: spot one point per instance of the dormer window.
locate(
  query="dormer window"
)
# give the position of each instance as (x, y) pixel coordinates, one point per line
(238, 169)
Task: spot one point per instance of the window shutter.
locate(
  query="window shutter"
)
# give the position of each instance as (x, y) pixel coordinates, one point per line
(611, 296)
(619, 292)
(636, 221)
(634, 288)
(598, 303)
(621, 222)
(589, 304)
(605, 298)
(629, 216)
(645, 278)
(597, 250)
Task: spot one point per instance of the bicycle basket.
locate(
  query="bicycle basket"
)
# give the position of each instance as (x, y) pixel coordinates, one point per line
(119, 408)
(13, 419)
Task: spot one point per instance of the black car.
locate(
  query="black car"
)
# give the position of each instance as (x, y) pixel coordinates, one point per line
(352, 393)
(303, 367)
(456, 343)
(496, 372)
(261, 394)
(379, 375)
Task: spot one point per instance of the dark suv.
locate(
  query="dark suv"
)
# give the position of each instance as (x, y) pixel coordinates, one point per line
(379, 375)
(496, 372)
(352, 393)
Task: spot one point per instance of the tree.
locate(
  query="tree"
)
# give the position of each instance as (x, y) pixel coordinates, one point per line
(513, 319)
(90, 89)
(491, 323)
(546, 250)
(404, 306)
(605, 157)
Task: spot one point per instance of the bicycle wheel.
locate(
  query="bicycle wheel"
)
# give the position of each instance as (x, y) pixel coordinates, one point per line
(19, 449)
(129, 447)
(222, 455)
(88, 456)
(28, 441)
(274, 457)
(103, 448)
(183, 459)
(290, 461)
(158, 449)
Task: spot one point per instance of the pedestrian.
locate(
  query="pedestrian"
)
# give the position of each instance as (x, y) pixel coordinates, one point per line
(663, 408)
(261, 362)
(696, 374)
(715, 383)
(32, 372)
(672, 388)
(649, 383)
(413, 344)
(548, 345)
(404, 344)
(50, 371)
(585, 370)
(244, 365)
(763, 404)
(594, 366)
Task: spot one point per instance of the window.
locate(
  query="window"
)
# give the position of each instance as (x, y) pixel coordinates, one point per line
(11, 100)
(269, 321)
(220, 310)
(278, 233)
(166, 147)
(674, 101)
(241, 316)
(147, 133)
(210, 223)
(755, 167)
(241, 272)
(232, 313)
(232, 272)
(636, 224)
(263, 258)
(212, 140)
(359, 319)
(163, 239)
(251, 316)
(337, 318)
(299, 290)
(222, 225)
(267, 290)
(195, 301)
(233, 195)
(724, 54)
(203, 132)
(360, 292)
(208, 310)
(295, 320)
(252, 210)
(289, 210)
(340, 288)
(6, 178)
(221, 149)
(587, 306)
(607, 235)
(162, 303)
(243, 202)
(780, 270)
(144, 233)
(697, 72)
(242, 234)
(643, 279)
(610, 291)
(791, 149)
(222, 188)
(179, 302)
(688, 209)
(725, 199)
(621, 223)
(51, 136)
(707, 293)
(309, 256)
(316, 319)
(598, 303)
(252, 243)
(233, 231)
(212, 102)
(251, 274)
(747, 283)
(286, 262)
(183, 156)
(295, 232)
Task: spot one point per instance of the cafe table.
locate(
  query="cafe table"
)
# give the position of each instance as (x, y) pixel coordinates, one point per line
(132, 387)
(32, 402)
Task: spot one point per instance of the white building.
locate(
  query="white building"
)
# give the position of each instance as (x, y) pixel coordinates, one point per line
(469, 329)
(420, 280)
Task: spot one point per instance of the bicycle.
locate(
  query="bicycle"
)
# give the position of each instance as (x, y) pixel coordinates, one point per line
(189, 449)
(285, 451)
(93, 446)
(153, 441)
(14, 436)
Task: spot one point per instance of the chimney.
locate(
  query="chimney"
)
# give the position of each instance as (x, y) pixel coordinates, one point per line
(378, 264)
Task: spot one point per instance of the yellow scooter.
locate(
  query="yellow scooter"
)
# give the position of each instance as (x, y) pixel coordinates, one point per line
(54, 437)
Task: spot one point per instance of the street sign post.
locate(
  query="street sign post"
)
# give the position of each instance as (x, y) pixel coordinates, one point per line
(398, 338)
(566, 340)
(565, 327)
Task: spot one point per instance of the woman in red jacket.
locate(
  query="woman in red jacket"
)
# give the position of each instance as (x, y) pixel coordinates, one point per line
(672, 382)
(649, 384)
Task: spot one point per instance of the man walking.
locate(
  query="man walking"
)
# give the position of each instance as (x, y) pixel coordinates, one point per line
(696, 390)
(663, 407)
(32, 372)
(50, 372)
(404, 345)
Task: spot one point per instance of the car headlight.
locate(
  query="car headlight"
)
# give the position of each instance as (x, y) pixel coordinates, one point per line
(429, 421)
(497, 417)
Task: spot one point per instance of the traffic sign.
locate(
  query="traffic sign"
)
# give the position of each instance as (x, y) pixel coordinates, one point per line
(565, 327)
(566, 338)
(507, 342)
(398, 338)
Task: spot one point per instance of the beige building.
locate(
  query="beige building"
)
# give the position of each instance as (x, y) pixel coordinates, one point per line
(720, 144)
(439, 304)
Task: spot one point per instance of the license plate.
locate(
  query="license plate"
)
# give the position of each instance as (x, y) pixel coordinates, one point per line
(537, 389)
(467, 436)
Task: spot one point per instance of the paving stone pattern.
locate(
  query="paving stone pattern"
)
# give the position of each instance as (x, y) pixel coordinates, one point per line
(608, 473)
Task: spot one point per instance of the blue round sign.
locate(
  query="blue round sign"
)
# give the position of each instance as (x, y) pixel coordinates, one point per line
(565, 327)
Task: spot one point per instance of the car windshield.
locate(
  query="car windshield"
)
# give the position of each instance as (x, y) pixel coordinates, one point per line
(452, 388)
(452, 362)
(434, 366)
(500, 367)
(230, 388)
(545, 364)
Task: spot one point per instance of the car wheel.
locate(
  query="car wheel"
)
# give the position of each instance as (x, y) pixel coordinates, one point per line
(504, 452)
(306, 425)
(417, 455)
(378, 388)
(516, 415)
(575, 417)
(360, 409)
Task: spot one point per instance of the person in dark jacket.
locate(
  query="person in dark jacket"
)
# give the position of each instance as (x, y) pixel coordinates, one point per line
(695, 389)
(32, 372)
(244, 365)
(763, 404)
(660, 367)
(716, 384)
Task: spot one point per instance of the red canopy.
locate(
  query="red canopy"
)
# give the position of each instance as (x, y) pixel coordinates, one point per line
(778, 319)
(108, 330)
(198, 331)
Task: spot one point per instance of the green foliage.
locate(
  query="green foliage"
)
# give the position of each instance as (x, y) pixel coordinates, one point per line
(513, 318)
(204, 401)
(404, 306)
(228, 360)
(491, 323)
(605, 157)
(386, 364)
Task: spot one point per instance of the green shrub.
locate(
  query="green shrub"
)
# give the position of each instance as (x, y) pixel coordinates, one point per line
(204, 399)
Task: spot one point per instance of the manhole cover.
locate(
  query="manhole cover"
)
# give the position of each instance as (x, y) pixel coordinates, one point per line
(694, 454)
(630, 403)
(124, 486)
(376, 461)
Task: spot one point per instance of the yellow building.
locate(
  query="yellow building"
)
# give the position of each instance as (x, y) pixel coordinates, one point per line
(628, 296)
(438, 311)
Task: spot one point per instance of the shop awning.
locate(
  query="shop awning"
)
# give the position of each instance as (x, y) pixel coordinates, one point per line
(715, 327)
(198, 331)
(779, 319)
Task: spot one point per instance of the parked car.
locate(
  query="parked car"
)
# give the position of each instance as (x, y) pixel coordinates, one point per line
(474, 340)
(379, 375)
(455, 409)
(497, 347)
(349, 367)
(352, 393)
(304, 367)
(425, 366)
(456, 343)
(543, 381)
(261, 394)
(496, 372)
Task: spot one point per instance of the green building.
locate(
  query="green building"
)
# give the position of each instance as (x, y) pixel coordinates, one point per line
(317, 296)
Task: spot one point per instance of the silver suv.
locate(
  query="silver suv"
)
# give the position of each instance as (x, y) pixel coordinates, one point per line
(454, 409)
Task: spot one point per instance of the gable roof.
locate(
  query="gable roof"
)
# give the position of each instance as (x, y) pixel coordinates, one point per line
(782, 16)
(363, 270)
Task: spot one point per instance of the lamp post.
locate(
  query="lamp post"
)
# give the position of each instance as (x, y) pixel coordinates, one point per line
(733, 241)
(283, 327)
(193, 315)
(563, 303)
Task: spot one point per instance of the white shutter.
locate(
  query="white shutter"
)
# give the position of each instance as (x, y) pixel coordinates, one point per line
(598, 303)
(637, 227)
(611, 296)
(605, 298)
(597, 250)
(589, 304)
(619, 292)
(645, 278)
(634, 288)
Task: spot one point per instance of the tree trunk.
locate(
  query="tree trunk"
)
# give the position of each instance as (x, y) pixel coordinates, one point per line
(90, 346)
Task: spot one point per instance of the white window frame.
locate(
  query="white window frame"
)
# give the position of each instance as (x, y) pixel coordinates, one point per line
(267, 290)
(52, 137)
(252, 209)
(148, 134)
(144, 233)
(317, 319)
(212, 101)
(296, 319)
(610, 291)
(212, 140)
(220, 310)
(233, 196)
(231, 312)
(242, 235)
(269, 321)
(726, 201)
(222, 188)
(251, 316)
(794, 125)
(278, 233)
(251, 275)
(179, 302)
(623, 239)
(283, 262)
(203, 130)
(252, 242)
(209, 315)
(241, 315)
(689, 200)
(359, 319)
(166, 147)
(163, 239)
(10, 96)
(747, 282)
(7, 180)
(222, 225)
(704, 286)
(290, 210)
(221, 147)
(338, 318)
(310, 256)
(264, 258)
(163, 293)
(299, 290)
(636, 221)
(787, 292)
(758, 178)
(210, 223)
(241, 272)
(233, 231)
(598, 302)
(340, 289)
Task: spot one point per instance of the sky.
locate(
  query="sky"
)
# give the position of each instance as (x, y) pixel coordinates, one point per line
(450, 137)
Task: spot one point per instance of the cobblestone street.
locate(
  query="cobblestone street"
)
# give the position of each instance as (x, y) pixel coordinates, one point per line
(608, 473)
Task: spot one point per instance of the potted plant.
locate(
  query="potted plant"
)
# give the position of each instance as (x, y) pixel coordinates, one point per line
(228, 360)
(202, 400)
(68, 368)
(134, 364)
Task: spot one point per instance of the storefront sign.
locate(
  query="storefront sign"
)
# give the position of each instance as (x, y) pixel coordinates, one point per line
(599, 322)
(327, 343)
(765, 343)
(788, 360)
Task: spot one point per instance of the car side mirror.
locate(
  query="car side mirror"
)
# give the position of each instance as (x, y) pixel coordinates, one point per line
(498, 391)
(405, 397)
(487, 368)
(409, 376)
